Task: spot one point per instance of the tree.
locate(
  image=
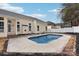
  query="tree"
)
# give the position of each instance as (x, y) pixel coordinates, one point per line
(70, 13)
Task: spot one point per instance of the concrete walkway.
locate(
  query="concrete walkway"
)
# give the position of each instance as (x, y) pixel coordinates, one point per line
(23, 44)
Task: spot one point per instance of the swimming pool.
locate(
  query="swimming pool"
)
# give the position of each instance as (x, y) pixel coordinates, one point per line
(44, 38)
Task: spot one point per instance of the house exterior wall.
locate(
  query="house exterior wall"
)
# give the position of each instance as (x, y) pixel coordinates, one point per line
(23, 21)
(4, 34)
(42, 27)
(13, 27)
(49, 27)
(34, 24)
(58, 26)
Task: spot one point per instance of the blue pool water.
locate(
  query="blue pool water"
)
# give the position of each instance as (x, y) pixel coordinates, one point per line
(44, 38)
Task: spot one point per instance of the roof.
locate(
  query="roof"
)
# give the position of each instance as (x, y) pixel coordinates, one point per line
(13, 14)
(59, 23)
(50, 23)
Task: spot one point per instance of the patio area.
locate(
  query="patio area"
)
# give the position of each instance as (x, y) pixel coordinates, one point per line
(24, 45)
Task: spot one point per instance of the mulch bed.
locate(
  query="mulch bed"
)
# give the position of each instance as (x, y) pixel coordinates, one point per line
(2, 45)
(70, 47)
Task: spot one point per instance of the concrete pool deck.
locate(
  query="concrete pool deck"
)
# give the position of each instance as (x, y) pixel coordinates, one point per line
(24, 45)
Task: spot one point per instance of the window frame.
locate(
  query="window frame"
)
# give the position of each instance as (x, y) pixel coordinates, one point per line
(38, 28)
(30, 27)
(2, 25)
(1, 18)
(9, 27)
(46, 28)
(18, 26)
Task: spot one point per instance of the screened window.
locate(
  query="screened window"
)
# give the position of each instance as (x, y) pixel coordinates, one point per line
(18, 26)
(29, 26)
(1, 26)
(37, 28)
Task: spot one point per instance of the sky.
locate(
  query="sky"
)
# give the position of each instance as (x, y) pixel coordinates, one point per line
(42, 11)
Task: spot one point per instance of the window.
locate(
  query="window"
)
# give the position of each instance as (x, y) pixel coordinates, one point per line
(9, 21)
(1, 18)
(18, 22)
(18, 26)
(9, 25)
(29, 26)
(46, 28)
(1, 24)
(37, 28)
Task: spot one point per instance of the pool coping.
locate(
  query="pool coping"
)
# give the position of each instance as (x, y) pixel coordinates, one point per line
(63, 36)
